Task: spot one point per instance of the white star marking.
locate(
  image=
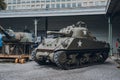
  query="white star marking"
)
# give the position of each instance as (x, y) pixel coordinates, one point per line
(79, 43)
(84, 32)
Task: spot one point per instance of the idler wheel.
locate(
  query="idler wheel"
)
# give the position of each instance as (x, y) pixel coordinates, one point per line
(38, 61)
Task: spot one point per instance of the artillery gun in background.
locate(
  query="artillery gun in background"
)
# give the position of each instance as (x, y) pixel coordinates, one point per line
(71, 47)
(11, 36)
(16, 45)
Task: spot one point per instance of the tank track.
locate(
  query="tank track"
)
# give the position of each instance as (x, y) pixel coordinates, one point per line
(76, 59)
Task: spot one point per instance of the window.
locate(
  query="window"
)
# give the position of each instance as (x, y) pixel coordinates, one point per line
(14, 1)
(32, 1)
(23, 1)
(48, 6)
(91, 3)
(18, 1)
(14, 7)
(97, 3)
(63, 0)
(79, 4)
(102, 2)
(84, 3)
(27, 1)
(52, 5)
(68, 5)
(58, 0)
(47, 0)
(28, 6)
(52, 0)
(43, 6)
(37, 5)
(73, 5)
(63, 5)
(9, 8)
(9, 2)
(32, 5)
(58, 5)
(37, 1)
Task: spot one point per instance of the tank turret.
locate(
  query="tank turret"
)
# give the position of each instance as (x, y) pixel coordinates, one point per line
(71, 47)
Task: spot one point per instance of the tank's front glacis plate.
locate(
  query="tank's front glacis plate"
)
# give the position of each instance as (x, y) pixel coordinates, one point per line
(54, 44)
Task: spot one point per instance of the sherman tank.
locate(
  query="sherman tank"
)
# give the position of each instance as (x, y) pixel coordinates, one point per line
(71, 47)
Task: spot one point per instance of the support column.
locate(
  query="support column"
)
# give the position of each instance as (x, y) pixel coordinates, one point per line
(35, 23)
(110, 36)
(46, 26)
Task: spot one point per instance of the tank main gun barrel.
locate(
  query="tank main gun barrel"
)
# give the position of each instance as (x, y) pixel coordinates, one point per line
(54, 32)
(4, 32)
(58, 32)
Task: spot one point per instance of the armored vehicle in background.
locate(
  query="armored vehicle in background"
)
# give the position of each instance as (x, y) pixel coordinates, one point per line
(71, 47)
(11, 36)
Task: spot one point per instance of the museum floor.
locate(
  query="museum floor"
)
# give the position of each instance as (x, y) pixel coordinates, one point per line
(32, 71)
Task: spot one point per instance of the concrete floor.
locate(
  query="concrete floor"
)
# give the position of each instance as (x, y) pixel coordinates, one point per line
(32, 71)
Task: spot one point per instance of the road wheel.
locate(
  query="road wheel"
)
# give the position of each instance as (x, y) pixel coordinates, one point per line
(60, 59)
